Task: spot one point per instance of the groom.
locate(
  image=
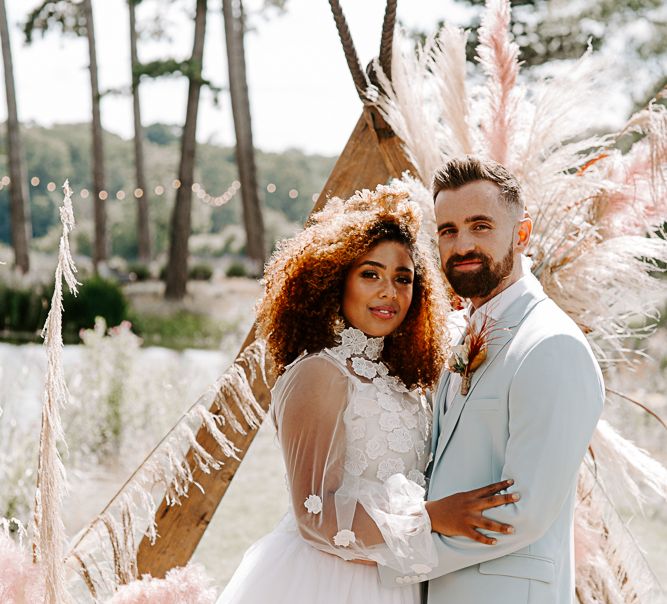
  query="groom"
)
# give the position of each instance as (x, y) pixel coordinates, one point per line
(527, 414)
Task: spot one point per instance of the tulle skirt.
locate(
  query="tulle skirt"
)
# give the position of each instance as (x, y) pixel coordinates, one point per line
(281, 568)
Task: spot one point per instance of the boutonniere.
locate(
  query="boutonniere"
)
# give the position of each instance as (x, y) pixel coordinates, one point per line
(468, 356)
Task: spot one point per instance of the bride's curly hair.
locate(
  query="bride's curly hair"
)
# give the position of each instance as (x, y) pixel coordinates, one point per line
(304, 282)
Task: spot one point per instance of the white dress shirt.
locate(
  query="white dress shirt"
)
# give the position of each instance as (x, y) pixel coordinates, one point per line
(493, 309)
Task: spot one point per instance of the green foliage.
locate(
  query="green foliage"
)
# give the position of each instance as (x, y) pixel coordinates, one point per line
(200, 272)
(236, 269)
(184, 329)
(173, 67)
(24, 310)
(67, 15)
(96, 297)
(162, 134)
(545, 33)
(140, 271)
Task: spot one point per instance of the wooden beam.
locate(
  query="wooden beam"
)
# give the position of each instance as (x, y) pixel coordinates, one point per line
(373, 155)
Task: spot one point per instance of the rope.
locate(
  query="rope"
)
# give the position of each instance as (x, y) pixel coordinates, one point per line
(358, 75)
(387, 40)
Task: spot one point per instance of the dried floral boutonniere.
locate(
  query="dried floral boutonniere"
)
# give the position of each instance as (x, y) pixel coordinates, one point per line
(468, 356)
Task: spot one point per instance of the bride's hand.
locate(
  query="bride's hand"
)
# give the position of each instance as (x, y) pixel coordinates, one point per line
(461, 513)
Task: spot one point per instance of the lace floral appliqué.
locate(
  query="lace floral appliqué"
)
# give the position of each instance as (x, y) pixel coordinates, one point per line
(344, 538)
(313, 504)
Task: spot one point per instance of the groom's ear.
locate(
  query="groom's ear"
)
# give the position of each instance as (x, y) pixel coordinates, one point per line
(524, 231)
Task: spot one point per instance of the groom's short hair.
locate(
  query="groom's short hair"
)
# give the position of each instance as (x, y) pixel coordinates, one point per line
(461, 171)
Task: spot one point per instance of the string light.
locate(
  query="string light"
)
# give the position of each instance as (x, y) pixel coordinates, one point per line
(159, 190)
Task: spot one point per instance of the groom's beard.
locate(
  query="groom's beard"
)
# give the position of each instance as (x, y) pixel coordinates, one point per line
(480, 283)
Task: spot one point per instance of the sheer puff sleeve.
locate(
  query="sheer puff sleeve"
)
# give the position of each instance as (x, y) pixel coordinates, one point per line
(339, 509)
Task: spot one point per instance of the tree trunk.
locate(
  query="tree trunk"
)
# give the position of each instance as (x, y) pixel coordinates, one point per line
(234, 18)
(100, 213)
(143, 233)
(177, 267)
(21, 228)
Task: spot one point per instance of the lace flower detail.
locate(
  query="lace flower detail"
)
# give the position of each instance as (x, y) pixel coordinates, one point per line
(357, 429)
(376, 446)
(399, 440)
(418, 477)
(344, 538)
(354, 339)
(355, 461)
(313, 504)
(365, 407)
(409, 420)
(374, 348)
(390, 421)
(389, 467)
(364, 367)
(388, 402)
(421, 569)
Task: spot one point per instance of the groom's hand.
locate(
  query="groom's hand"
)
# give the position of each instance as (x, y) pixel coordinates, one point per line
(461, 514)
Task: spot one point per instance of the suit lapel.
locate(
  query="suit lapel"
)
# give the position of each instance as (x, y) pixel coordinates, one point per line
(504, 332)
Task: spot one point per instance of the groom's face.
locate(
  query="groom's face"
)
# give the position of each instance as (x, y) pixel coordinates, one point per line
(478, 235)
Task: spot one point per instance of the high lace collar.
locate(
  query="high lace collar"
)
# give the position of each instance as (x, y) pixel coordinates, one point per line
(361, 354)
(353, 342)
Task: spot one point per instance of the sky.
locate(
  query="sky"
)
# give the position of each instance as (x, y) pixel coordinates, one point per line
(301, 93)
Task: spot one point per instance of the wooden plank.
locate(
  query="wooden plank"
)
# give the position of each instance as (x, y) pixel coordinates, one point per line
(372, 155)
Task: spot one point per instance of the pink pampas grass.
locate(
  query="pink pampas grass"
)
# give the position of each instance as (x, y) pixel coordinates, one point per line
(21, 581)
(184, 585)
(499, 56)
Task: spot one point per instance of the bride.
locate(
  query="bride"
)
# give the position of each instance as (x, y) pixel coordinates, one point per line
(354, 320)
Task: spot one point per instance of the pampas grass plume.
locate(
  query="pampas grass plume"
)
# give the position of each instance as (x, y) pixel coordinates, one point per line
(21, 581)
(184, 585)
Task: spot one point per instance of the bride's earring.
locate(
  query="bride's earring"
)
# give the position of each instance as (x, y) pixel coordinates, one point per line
(338, 323)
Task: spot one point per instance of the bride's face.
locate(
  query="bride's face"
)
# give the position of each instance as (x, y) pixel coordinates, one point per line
(378, 289)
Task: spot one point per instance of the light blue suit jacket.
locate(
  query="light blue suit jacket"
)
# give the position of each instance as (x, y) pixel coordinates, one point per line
(529, 415)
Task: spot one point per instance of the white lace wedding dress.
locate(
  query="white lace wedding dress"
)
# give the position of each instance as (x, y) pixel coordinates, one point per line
(355, 444)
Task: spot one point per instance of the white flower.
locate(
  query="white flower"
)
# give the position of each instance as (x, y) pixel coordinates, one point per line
(374, 348)
(409, 420)
(342, 353)
(421, 569)
(364, 367)
(356, 429)
(366, 407)
(376, 446)
(461, 352)
(400, 440)
(388, 402)
(355, 461)
(418, 477)
(390, 421)
(382, 370)
(344, 538)
(389, 467)
(354, 339)
(313, 504)
(381, 385)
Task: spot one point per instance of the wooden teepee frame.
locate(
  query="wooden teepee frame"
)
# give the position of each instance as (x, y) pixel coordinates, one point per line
(373, 155)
